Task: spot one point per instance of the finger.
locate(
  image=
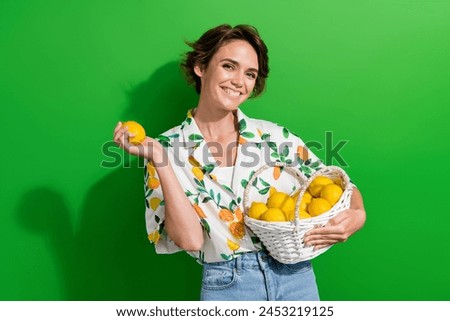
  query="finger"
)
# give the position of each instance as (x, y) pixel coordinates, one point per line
(321, 242)
(312, 238)
(119, 124)
(120, 134)
(126, 141)
(335, 225)
(117, 133)
(333, 229)
(117, 130)
(318, 247)
(123, 141)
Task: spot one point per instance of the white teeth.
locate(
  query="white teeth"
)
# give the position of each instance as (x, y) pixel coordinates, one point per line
(231, 92)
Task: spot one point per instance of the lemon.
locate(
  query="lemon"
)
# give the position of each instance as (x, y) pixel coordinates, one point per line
(193, 161)
(233, 246)
(304, 215)
(318, 206)
(321, 180)
(303, 205)
(288, 208)
(273, 215)
(154, 237)
(315, 189)
(256, 210)
(276, 172)
(277, 200)
(135, 129)
(242, 140)
(237, 229)
(295, 196)
(272, 190)
(151, 169)
(154, 203)
(238, 214)
(332, 193)
(338, 181)
(199, 211)
(153, 183)
(282, 201)
(226, 215)
(306, 199)
(198, 173)
(290, 216)
(317, 184)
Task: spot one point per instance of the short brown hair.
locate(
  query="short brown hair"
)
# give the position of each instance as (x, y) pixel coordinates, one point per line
(208, 44)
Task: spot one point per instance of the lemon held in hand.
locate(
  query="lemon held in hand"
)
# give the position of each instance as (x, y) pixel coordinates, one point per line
(137, 130)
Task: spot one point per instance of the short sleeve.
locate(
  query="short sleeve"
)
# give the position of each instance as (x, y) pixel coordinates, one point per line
(155, 212)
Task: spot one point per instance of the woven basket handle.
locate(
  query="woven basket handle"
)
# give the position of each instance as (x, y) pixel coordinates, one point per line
(288, 169)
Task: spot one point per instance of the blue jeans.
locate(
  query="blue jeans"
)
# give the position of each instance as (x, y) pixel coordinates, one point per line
(256, 276)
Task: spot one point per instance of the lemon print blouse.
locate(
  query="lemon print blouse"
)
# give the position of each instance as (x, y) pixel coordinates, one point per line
(216, 193)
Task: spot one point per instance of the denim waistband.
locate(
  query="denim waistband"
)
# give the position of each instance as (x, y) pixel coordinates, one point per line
(246, 260)
(252, 260)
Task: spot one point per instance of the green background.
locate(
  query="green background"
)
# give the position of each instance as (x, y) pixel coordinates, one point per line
(374, 73)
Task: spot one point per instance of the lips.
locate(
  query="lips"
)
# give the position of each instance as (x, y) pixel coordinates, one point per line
(231, 92)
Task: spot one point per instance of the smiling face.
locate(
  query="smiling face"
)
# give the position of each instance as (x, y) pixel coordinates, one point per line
(230, 76)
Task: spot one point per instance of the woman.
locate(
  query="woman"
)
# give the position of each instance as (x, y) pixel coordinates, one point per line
(197, 173)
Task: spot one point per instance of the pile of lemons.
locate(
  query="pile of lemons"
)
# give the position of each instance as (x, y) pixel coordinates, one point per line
(322, 194)
(278, 208)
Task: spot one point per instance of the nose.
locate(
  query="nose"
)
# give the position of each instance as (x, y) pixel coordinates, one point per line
(238, 80)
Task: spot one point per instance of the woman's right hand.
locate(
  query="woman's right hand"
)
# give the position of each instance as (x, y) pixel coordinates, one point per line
(180, 216)
(150, 148)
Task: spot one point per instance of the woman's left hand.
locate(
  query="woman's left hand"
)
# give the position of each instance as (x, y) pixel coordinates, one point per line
(339, 228)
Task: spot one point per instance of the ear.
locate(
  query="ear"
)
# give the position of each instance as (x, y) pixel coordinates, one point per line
(198, 70)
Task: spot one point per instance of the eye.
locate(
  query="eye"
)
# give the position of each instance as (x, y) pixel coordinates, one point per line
(251, 75)
(228, 66)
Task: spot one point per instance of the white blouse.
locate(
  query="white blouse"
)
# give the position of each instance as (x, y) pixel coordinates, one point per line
(216, 193)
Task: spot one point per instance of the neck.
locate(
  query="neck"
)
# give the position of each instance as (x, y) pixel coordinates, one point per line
(215, 125)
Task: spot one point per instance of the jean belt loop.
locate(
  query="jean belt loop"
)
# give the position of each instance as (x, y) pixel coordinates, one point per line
(238, 263)
(263, 255)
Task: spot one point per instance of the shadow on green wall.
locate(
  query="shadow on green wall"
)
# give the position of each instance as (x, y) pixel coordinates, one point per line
(108, 256)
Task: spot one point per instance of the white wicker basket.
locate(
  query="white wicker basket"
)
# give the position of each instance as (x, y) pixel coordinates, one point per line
(284, 240)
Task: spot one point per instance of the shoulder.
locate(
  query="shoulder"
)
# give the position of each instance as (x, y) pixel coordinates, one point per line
(172, 131)
(272, 131)
(260, 123)
(169, 136)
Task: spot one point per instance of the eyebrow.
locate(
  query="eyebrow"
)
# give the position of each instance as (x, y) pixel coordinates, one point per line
(237, 63)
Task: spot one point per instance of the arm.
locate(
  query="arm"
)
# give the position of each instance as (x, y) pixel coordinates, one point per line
(341, 227)
(181, 221)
